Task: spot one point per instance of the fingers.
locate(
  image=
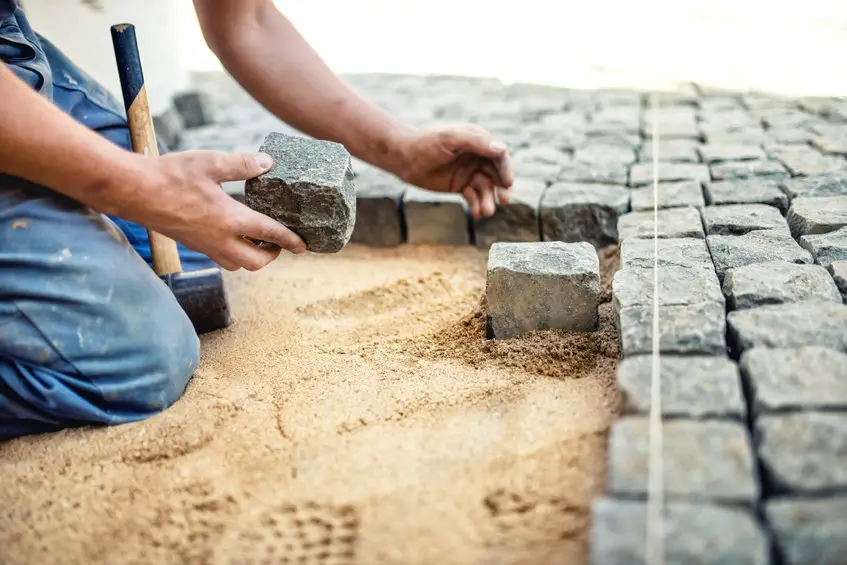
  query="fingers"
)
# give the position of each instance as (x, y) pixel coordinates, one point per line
(258, 226)
(473, 200)
(242, 254)
(225, 167)
(484, 188)
(501, 191)
(473, 139)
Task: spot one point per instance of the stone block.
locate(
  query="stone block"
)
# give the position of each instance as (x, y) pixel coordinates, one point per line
(759, 246)
(701, 534)
(195, 108)
(738, 219)
(379, 218)
(572, 212)
(310, 190)
(803, 452)
(678, 286)
(694, 387)
(815, 215)
(642, 173)
(827, 247)
(831, 145)
(604, 154)
(606, 173)
(838, 270)
(704, 460)
(672, 223)
(674, 128)
(738, 170)
(671, 195)
(435, 218)
(742, 136)
(168, 127)
(790, 136)
(804, 378)
(540, 286)
(750, 191)
(684, 329)
(679, 150)
(809, 531)
(516, 221)
(683, 252)
(803, 161)
(789, 325)
(712, 153)
(777, 282)
(827, 185)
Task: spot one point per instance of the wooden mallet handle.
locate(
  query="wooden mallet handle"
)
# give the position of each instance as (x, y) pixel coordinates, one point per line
(163, 249)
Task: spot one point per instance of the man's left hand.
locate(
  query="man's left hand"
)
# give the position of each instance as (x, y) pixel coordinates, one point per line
(463, 159)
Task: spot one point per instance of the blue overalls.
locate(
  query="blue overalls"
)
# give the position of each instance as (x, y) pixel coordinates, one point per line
(88, 333)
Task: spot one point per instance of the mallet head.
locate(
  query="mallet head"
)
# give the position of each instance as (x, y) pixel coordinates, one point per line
(202, 296)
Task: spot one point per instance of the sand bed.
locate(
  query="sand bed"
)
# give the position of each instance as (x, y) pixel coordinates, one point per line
(352, 414)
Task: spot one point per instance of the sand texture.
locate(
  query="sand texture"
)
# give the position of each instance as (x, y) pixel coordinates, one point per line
(352, 414)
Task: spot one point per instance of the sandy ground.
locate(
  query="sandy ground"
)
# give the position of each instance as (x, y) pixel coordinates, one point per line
(352, 414)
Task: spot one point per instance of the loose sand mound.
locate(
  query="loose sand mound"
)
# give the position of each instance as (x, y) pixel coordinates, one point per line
(352, 414)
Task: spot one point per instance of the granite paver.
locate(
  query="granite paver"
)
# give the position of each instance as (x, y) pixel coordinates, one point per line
(713, 153)
(757, 246)
(672, 223)
(737, 170)
(684, 252)
(809, 531)
(789, 325)
(825, 185)
(434, 218)
(814, 215)
(838, 270)
(379, 221)
(697, 328)
(738, 219)
(642, 173)
(671, 195)
(572, 212)
(828, 247)
(777, 282)
(748, 191)
(516, 221)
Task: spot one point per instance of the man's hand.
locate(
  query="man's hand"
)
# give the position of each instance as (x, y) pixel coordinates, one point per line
(462, 159)
(182, 198)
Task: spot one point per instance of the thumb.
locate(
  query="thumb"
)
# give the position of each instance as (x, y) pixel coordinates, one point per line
(241, 166)
(475, 141)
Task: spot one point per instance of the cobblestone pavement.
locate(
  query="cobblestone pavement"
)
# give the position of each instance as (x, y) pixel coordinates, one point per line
(752, 270)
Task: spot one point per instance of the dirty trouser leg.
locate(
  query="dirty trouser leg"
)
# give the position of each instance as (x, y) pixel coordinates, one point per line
(88, 333)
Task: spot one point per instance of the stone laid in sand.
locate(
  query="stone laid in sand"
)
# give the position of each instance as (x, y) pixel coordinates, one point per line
(827, 185)
(809, 530)
(309, 190)
(678, 286)
(738, 170)
(195, 109)
(678, 150)
(701, 533)
(672, 223)
(804, 452)
(684, 329)
(777, 282)
(682, 252)
(838, 270)
(434, 218)
(696, 386)
(738, 219)
(749, 191)
(603, 173)
(680, 194)
(826, 247)
(642, 173)
(704, 460)
(379, 221)
(714, 153)
(516, 221)
(759, 246)
(573, 212)
(789, 325)
(540, 286)
(816, 215)
(805, 378)
(803, 161)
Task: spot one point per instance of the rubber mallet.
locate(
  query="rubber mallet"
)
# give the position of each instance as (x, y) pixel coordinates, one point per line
(201, 294)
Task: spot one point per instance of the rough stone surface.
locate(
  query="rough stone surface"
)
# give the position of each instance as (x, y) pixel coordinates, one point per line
(692, 386)
(195, 109)
(838, 270)
(435, 218)
(671, 195)
(712, 153)
(810, 377)
(642, 173)
(516, 221)
(683, 252)
(828, 247)
(168, 127)
(705, 461)
(803, 161)
(672, 223)
(605, 173)
(737, 170)
(814, 215)
(804, 452)
(809, 531)
(738, 219)
(379, 221)
(750, 191)
(541, 285)
(572, 212)
(633, 286)
(310, 190)
(759, 246)
(701, 534)
(777, 282)
(828, 185)
(681, 151)
(789, 325)
(684, 329)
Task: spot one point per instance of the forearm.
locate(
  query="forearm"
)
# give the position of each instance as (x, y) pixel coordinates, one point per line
(42, 144)
(263, 51)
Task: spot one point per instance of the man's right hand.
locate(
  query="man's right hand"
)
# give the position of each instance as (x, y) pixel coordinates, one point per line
(182, 199)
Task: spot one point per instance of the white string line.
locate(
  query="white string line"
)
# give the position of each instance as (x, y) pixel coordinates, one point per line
(655, 540)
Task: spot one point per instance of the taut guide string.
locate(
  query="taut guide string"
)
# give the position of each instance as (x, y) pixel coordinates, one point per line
(654, 553)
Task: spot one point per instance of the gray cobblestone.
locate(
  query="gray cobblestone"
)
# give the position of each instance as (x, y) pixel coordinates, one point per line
(826, 185)
(804, 452)
(816, 215)
(678, 150)
(621, 118)
(680, 126)
(827, 247)
(803, 378)
(803, 161)
(593, 174)
(831, 145)
(603, 154)
(622, 139)
(749, 191)
(434, 218)
(759, 246)
(701, 534)
(684, 252)
(633, 286)
(719, 450)
(789, 325)
(711, 153)
(642, 173)
(735, 170)
(671, 195)
(692, 386)
(195, 108)
(810, 531)
(741, 136)
(777, 282)
(379, 220)
(838, 270)
(516, 221)
(683, 329)
(672, 223)
(573, 212)
(738, 219)
(791, 136)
